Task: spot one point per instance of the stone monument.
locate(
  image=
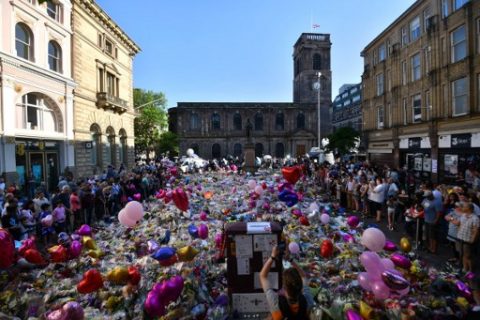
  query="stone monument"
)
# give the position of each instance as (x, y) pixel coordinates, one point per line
(249, 149)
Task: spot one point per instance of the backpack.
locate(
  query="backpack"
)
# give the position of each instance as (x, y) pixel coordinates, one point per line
(287, 312)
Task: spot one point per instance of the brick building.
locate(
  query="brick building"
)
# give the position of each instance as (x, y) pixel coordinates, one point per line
(215, 130)
(102, 68)
(421, 84)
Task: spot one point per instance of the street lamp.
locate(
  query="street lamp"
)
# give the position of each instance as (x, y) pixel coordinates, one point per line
(317, 85)
(147, 103)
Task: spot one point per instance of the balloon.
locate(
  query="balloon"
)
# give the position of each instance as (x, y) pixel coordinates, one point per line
(313, 207)
(348, 238)
(208, 195)
(252, 184)
(70, 311)
(174, 288)
(84, 230)
(394, 281)
(152, 246)
(365, 310)
(133, 276)
(168, 262)
(7, 249)
(390, 246)
(75, 249)
(352, 315)
(187, 253)
(353, 221)
(289, 197)
(47, 221)
(388, 264)
(95, 253)
(58, 253)
(380, 290)
(222, 300)
(297, 213)
(304, 221)
(401, 261)
(118, 275)
(203, 216)
(292, 174)
(193, 231)
(326, 249)
(293, 248)
(405, 245)
(163, 253)
(92, 281)
(160, 194)
(134, 210)
(33, 256)
(219, 240)
(166, 237)
(203, 231)
(324, 218)
(463, 289)
(364, 281)
(372, 263)
(89, 243)
(125, 220)
(180, 199)
(64, 239)
(259, 190)
(154, 306)
(26, 244)
(373, 239)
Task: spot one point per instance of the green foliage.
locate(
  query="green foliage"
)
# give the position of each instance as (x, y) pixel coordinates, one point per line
(151, 121)
(168, 143)
(342, 141)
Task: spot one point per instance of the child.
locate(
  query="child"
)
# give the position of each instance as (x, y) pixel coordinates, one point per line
(59, 217)
(27, 218)
(47, 228)
(391, 207)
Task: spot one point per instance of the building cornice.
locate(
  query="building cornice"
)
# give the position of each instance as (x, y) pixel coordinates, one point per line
(105, 19)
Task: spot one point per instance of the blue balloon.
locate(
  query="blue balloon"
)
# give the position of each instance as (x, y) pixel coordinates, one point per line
(163, 253)
(193, 230)
(166, 238)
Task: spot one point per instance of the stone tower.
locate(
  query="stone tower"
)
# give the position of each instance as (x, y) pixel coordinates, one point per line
(312, 55)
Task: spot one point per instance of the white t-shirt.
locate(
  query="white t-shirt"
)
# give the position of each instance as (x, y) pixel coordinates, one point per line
(378, 194)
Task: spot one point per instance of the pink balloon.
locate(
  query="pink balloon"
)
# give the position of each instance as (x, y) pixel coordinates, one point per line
(75, 249)
(380, 290)
(324, 218)
(202, 231)
(175, 287)
(134, 210)
(154, 305)
(252, 184)
(353, 221)
(259, 190)
(352, 315)
(293, 248)
(297, 213)
(125, 220)
(348, 238)
(374, 239)
(219, 240)
(84, 230)
(390, 246)
(203, 216)
(401, 261)
(388, 264)
(364, 281)
(372, 263)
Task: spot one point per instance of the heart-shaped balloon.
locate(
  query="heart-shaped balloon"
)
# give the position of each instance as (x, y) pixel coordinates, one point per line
(58, 253)
(84, 230)
(164, 253)
(33, 256)
(118, 275)
(292, 174)
(89, 243)
(394, 281)
(92, 281)
(326, 249)
(187, 253)
(154, 305)
(7, 249)
(180, 199)
(134, 276)
(304, 221)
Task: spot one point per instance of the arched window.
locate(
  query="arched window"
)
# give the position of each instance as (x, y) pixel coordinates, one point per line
(237, 150)
(216, 151)
(279, 122)
(258, 150)
(34, 113)
(96, 149)
(110, 151)
(195, 148)
(194, 121)
(300, 121)
(215, 121)
(24, 41)
(237, 122)
(123, 147)
(317, 62)
(279, 150)
(258, 122)
(54, 56)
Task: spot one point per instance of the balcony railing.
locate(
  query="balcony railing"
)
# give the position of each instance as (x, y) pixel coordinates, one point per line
(106, 101)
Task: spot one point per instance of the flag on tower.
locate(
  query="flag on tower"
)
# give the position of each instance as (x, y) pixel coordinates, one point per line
(315, 26)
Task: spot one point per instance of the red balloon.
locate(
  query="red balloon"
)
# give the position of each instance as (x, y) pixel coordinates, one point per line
(292, 174)
(7, 249)
(33, 256)
(26, 244)
(168, 262)
(304, 221)
(326, 249)
(92, 281)
(180, 199)
(58, 253)
(133, 276)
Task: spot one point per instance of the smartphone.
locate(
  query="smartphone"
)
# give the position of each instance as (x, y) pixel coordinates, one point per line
(281, 247)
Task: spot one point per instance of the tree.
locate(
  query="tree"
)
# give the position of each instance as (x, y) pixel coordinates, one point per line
(168, 143)
(151, 121)
(342, 141)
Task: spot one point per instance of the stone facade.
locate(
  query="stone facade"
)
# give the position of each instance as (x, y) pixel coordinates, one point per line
(347, 108)
(102, 68)
(36, 93)
(217, 130)
(421, 90)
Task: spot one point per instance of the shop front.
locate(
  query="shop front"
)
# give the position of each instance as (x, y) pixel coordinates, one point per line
(457, 153)
(381, 153)
(415, 156)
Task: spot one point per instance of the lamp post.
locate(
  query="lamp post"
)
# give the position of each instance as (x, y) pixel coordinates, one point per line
(318, 86)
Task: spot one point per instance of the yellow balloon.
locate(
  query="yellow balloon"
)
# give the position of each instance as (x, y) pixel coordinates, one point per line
(186, 253)
(89, 243)
(118, 275)
(366, 311)
(112, 302)
(96, 253)
(405, 245)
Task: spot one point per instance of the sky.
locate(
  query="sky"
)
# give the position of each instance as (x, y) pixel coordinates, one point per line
(241, 51)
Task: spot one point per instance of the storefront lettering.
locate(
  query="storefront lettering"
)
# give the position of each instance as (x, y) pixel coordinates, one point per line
(461, 140)
(414, 142)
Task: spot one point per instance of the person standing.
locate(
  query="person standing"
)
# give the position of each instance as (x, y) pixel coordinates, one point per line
(467, 234)
(433, 213)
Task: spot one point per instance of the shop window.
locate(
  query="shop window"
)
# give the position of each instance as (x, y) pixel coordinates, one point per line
(237, 150)
(279, 122)
(215, 121)
(460, 97)
(459, 44)
(237, 122)
(417, 108)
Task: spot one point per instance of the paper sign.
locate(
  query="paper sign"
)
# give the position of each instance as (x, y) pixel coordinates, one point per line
(264, 242)
(250, 303)
(434, 165)
(272, 279)
(258, 227)
(243, 266)
(243, 246)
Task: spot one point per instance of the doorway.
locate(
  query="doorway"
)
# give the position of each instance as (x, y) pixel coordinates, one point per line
(301, 150)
